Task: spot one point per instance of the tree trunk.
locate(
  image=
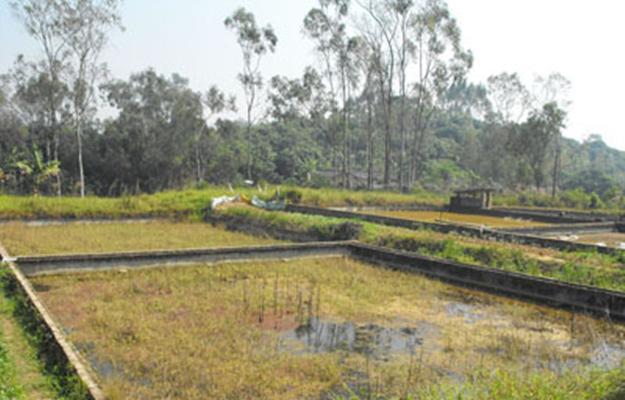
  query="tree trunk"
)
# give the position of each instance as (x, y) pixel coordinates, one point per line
(198, 163)
(249, 149)
(344, 169)
(556, 169)
(59, 186)
(81, 170)
(369, 142)
(402, 138)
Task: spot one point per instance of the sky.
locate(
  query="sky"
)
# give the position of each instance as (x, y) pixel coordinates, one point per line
(579, 39)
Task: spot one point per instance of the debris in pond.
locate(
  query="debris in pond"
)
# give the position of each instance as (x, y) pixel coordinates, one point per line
(318, 336)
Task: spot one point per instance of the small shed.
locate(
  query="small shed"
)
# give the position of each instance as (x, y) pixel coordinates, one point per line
(480, 199)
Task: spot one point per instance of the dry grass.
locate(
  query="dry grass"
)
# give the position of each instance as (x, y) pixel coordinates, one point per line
(467, 219)
(214, 331)
(28, 239)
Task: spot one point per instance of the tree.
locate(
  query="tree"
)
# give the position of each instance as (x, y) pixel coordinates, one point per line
(533, 138)
(441, 61)
(255, 42)
(368, 62)
(380, 31)
(405, 49)
(326, 25)
(150, 143)
(509, 98)
(43, 20)
(84, 26)
(215, 102)
(299, 98)
(554, 89)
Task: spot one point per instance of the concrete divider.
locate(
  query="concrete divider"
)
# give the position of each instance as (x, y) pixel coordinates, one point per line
(551, 292)
(538, 216)
(588, 215)
(585, 228)
(480, 233)
(40, 265)
(541, 290)
(413, 207)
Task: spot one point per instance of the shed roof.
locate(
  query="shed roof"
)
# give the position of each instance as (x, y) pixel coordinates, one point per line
(475, 191)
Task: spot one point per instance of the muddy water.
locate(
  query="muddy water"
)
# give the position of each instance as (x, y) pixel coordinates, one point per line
(318, 335)
(321, 336)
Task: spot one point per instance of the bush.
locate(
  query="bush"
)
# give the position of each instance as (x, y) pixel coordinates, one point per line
(293, 196)
(595, 201)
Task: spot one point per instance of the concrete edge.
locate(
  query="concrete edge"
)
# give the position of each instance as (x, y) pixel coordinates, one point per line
(541, 290)
(40, 265)
(398, 207)
(480, 233)
(75, 360)
(592, 227)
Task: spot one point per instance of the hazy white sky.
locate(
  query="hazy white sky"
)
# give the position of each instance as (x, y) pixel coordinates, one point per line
(580, 39)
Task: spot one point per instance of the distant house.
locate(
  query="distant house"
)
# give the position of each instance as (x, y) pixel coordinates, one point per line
(480, 199)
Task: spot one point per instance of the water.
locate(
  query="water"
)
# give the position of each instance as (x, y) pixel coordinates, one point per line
(319, 336)
(464, 310)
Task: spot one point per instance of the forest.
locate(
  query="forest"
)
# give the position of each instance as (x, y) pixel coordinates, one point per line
(386, 104)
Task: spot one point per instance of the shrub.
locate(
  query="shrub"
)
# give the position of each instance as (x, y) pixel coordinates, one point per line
(293, 196)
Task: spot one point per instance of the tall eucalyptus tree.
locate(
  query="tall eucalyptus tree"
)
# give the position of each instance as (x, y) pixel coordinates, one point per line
(255, 42)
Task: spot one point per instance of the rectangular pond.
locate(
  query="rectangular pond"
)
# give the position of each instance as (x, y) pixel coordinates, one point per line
(457, 218)
(47, 238)
(316, 328)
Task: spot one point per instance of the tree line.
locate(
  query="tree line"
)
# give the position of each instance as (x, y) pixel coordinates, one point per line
(387, 103)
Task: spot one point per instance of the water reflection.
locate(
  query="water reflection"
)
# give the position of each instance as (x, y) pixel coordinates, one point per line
(319, 336)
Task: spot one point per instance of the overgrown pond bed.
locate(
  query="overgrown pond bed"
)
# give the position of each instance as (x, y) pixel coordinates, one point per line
(457, 218)
(326, 327)
(37, 238)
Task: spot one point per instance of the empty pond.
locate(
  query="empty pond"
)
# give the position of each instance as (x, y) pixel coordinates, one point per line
(315, 328)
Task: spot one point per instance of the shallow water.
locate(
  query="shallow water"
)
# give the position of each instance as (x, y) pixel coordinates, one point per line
(321, 336)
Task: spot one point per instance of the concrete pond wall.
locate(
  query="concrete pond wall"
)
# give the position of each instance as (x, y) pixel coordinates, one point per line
(545, 291)
(508, 236)
(603, 303)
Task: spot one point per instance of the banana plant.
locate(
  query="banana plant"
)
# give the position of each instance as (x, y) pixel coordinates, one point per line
(37, 171)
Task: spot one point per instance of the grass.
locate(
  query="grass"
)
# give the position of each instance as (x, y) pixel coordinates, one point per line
(27, 239)
(218, 332)
(468, 219)
(185, 202)
(22, 374)
(9, 389)
(586, 268)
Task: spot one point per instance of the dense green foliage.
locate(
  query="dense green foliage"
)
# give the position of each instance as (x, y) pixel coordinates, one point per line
(360, 120)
